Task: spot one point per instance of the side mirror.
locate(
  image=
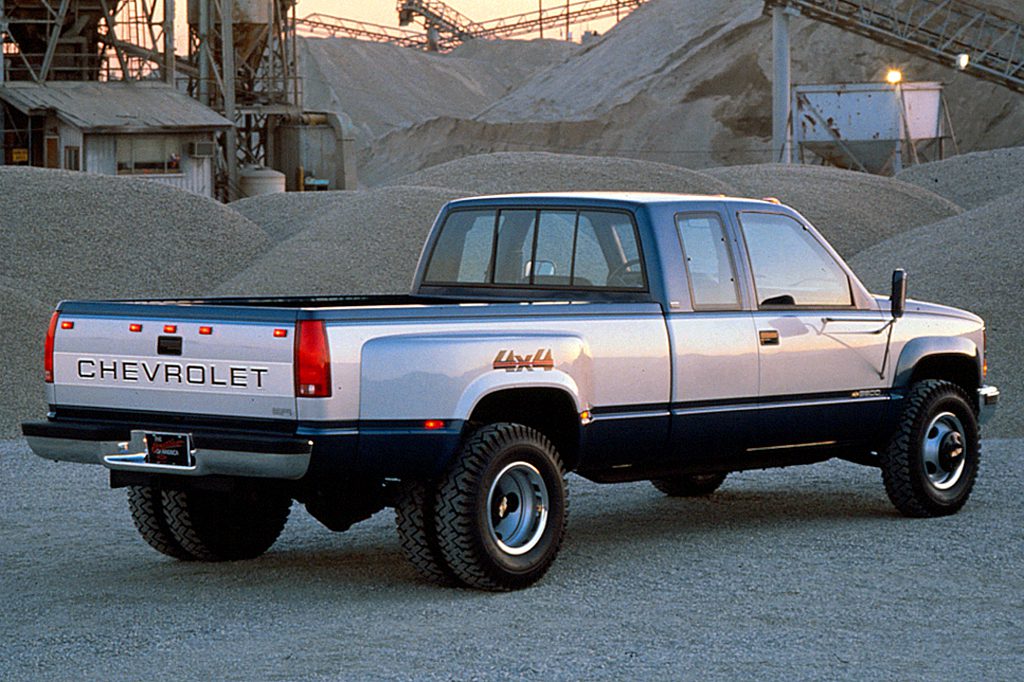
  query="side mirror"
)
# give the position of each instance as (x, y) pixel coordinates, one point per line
(898, 297)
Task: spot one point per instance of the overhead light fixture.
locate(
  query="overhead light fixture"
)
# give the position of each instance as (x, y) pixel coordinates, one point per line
(963, 60)
(894, 77)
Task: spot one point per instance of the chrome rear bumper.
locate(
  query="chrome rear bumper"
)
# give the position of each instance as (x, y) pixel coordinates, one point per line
(260, 457)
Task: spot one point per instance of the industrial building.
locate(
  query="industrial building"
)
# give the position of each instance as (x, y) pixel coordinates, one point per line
(113, 128)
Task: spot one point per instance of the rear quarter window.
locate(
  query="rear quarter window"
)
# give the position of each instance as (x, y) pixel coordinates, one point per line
(538, 248)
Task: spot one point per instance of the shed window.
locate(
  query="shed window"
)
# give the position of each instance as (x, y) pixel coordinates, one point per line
(148, 155)
(72, 158)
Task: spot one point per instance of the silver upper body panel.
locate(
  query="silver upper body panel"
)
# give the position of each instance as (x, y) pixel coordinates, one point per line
(437, 361)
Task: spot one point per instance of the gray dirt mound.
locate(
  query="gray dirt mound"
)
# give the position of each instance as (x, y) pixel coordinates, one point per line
(345, 75)
(545, 172)
(853, 210)
(971, 180)
(363, 242)
(78, 235)
(686, 82)
(971, 261)
(282, 215)
(23, 321)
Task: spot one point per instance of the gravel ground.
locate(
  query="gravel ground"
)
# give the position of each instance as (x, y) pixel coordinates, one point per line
(971, 180)
(972, 261)
(804, 573)
(545, 172)
(343, 243)
(853, 210)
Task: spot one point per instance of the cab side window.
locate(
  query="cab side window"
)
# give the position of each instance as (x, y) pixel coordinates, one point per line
(709, 264)
(790, 266)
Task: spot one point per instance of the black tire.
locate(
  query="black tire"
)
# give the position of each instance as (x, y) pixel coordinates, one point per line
(932, 460)
(502, 508)
(689, 485)
(147, 510)
(417, 531)
(220, 526)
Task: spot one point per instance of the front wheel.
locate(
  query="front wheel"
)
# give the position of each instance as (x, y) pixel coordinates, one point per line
(932, 460)
(502, 508)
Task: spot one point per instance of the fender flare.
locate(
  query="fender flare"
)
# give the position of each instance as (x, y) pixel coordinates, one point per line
(924, 347)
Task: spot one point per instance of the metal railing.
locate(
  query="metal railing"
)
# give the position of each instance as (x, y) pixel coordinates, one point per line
(953, 33)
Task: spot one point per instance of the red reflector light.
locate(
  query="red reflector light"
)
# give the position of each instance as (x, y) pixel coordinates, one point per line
(206, 331)
(433, 424)
(280, 333)
(67, 324)
(48, 352)
(135, 327)
(312, 360)
(170, 329)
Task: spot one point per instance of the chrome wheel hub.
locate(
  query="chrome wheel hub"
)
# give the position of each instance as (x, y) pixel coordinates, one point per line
(944, 451)
(517, 508)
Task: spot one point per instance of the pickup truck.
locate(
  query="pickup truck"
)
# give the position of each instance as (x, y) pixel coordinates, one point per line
(620, 336)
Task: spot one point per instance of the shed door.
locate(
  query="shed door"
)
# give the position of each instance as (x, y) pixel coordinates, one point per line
(52, 152)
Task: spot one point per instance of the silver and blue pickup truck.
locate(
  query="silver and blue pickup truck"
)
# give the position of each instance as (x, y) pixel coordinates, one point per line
(620, 336)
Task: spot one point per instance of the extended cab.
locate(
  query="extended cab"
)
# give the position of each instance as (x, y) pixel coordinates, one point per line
(620, 336)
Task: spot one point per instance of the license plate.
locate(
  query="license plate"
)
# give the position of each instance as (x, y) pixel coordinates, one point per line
(171, 449)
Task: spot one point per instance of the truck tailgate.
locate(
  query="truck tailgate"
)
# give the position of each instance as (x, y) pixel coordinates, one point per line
(175, 359)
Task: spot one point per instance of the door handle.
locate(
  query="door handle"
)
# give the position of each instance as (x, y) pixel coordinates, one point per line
(769, 337)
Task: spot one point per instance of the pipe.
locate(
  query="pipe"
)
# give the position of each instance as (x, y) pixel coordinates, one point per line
(780, 84)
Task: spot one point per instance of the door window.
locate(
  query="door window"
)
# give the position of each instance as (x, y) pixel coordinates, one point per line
(709, 264)
(790, 266)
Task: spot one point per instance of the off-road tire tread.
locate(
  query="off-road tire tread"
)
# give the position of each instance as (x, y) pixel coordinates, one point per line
(454, 514)
(897, 460)
(686, 485)
(214, 531)
(146, 506)
(417, 531)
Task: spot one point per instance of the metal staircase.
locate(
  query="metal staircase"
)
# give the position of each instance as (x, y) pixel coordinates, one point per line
(942, 31)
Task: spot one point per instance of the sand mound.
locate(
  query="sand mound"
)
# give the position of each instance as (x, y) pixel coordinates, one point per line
(282, 215)
(971, 180)
(78, 235)
(363, 242)
(685, 82)
(23, 321)
(853, 210)
(545, 172)
(380, 87)
(970, 261)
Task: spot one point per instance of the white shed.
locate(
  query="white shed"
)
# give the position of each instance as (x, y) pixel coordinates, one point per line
(114, 128)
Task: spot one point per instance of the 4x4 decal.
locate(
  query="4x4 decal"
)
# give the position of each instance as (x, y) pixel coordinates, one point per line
(510, 362)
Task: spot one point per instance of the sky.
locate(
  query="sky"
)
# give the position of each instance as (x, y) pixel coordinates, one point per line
(385, 12)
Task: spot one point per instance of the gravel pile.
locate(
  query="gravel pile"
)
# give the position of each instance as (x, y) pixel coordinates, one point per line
(23, 321)
(343, 243)
(971, 180)
(546, 172)
(853, 210)
(282, 215)
(77, 235)
(686, 82)
(92, 236)
(971, 261)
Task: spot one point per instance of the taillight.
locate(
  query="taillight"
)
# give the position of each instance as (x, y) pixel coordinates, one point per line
(312, 360)
(48, 360)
